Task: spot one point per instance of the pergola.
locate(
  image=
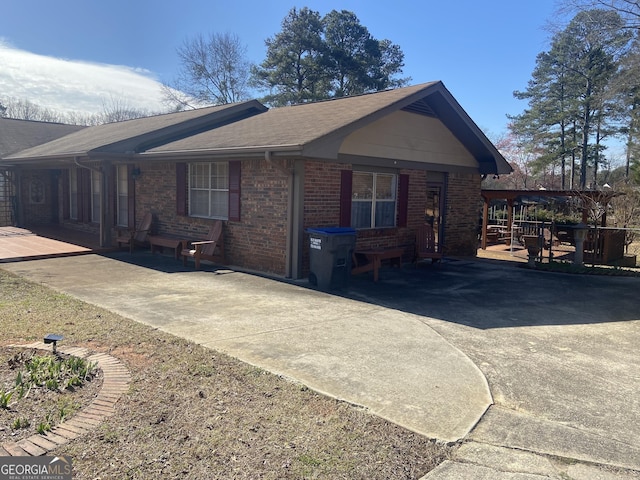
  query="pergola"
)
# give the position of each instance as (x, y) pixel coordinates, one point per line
(510, 196)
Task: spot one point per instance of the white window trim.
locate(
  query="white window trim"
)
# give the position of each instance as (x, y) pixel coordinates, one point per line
(374, 201)
(190, 189)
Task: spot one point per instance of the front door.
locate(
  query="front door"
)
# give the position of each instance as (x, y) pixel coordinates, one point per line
(434, 208)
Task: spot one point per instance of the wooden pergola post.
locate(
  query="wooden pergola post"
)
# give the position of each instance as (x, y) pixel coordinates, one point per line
(485, 222)
(509, 213)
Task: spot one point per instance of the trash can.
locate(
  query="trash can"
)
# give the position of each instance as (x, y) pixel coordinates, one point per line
(330, 250)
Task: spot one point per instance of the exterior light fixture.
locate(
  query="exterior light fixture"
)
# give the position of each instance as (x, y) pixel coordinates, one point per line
(53, 338)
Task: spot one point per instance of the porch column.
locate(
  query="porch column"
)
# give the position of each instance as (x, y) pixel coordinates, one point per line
(106, 211)
(485, 222)
(509, 214)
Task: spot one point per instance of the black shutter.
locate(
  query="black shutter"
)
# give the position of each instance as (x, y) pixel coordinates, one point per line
(234, 191)
(346, 180)
(403, 200)
(131, 197)
(181, 189)
(66, 207)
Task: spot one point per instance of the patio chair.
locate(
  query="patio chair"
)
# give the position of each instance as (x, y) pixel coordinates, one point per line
(212, 248)
(426, 245)
(136, 236)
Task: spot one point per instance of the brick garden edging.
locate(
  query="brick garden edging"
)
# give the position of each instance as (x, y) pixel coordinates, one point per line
(116, 379)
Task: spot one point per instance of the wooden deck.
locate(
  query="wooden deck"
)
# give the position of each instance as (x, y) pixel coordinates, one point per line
(18, 244)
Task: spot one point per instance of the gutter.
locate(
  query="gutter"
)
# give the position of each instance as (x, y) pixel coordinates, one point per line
(227, 152)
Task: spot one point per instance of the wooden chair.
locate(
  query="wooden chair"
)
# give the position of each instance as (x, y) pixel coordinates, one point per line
(136, 236)
(426, 245)
(211, 249)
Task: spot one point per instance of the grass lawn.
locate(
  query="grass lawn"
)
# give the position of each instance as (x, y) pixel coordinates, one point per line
(195, 413)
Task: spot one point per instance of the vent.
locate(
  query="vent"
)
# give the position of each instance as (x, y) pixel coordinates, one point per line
(420, 107)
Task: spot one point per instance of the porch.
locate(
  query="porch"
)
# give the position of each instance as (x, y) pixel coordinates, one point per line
(45, 241)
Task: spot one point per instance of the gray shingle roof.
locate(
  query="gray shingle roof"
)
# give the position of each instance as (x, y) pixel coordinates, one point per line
(312, 129)
(16, 135)
(134, 135)
(296, 125)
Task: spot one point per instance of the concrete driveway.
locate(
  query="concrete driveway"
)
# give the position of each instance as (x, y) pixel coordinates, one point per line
(559, 352)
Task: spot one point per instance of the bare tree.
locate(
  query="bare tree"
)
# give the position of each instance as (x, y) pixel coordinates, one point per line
(113, 110)
(629, 10)
(626, 210)
(214, 70)
(117, 110)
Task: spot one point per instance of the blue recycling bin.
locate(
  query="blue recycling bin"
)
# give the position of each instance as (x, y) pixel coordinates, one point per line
(330, 250)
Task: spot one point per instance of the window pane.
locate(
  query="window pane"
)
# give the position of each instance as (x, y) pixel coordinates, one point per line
(199, 175)
(200, 203)
(385, 214)
(219, 176)
(219, 204)
(385, 187)
(361, 214)
(123, 197)
(362, 187)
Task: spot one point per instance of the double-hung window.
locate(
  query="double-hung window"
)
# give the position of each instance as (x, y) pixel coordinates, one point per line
(96, 189)
(73, 193)
(122, 218)
(373, 200)
(209, 190)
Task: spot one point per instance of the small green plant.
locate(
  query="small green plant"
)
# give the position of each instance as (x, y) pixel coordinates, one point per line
(19, 423)
(44, 427)
(5, 398)
(309, 460)
(66, 408)
(52, 384)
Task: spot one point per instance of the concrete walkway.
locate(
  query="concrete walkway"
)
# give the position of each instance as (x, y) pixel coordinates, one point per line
(565, 378)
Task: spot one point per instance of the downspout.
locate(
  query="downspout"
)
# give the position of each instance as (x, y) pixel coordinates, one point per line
(93, 169)
(289, 236)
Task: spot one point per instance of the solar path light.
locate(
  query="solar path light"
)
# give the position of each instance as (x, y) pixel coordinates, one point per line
(53, 338)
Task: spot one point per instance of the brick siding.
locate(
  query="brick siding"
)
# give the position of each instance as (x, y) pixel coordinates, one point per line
(463, 208)
(257, 242)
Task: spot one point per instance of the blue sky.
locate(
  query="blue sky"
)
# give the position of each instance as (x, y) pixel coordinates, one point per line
(482, 51)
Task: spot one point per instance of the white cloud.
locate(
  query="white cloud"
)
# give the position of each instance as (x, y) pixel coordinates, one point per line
(75, 86)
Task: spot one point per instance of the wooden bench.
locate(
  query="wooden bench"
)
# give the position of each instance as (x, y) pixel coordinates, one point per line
(162, 241)
(371, 260)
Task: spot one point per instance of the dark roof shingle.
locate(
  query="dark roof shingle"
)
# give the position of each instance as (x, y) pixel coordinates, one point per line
(16, 135)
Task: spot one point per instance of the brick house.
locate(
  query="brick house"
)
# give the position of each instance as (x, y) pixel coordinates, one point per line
(382, 163)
